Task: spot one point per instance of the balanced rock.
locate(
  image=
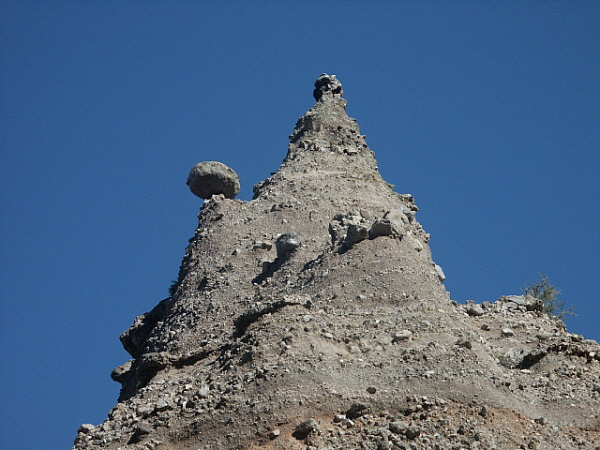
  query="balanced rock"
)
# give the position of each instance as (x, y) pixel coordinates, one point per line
(213, 178)
(328, 85)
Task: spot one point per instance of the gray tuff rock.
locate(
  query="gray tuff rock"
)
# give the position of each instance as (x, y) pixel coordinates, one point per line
(213, 178)
(319, 298)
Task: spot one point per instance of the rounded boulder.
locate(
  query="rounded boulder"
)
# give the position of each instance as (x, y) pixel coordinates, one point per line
(213, 178)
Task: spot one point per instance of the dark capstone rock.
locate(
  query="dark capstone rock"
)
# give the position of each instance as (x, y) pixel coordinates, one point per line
(327, 85)
(213, 178)
(287, 243)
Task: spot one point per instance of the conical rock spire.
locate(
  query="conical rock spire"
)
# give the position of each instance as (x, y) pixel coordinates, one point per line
(327, 129)
(329, 196)
(314, 316)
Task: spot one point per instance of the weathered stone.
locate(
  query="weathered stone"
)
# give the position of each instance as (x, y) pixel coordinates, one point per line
(144, 411)
(142, 428)
(412, 432)
(262, 245)
(348, 423)
(415, 242)
(274, 433)
(162, 403)
(307, 427)
(213, 178)
(440, 273)
(402, 335)
(397, 427)
(381, 227)
(264, 264)
(534, 304)
(541, 420)
(357, 410)
(203, 392)
(517, 299)
(287, 243)
(86, 428)
(466, 343)
(355, 234)
(338, 418)
(134, 339)
(397, 218)
(81, 439)
(475, 310)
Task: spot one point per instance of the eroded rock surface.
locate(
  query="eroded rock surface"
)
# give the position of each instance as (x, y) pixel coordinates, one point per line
(313, 317)
(213, 178)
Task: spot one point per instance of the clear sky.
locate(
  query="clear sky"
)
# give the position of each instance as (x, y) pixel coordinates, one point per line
(487, 112)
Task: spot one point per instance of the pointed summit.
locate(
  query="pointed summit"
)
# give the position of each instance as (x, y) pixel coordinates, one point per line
(326, 127)
(328, 200)
(327, 150)
(327, 87)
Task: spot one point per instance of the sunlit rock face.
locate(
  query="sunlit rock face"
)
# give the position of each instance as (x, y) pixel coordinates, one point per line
(314, 316)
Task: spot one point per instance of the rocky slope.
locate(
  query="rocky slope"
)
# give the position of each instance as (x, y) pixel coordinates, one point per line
(313, 317)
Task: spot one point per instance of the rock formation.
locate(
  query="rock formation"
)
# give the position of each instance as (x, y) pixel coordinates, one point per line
(313, 317)
(213, 178)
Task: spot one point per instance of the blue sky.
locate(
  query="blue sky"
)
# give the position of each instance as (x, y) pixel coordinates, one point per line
(487, 112)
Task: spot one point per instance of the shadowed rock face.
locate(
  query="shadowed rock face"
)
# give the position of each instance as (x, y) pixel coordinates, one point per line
(314, 315)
